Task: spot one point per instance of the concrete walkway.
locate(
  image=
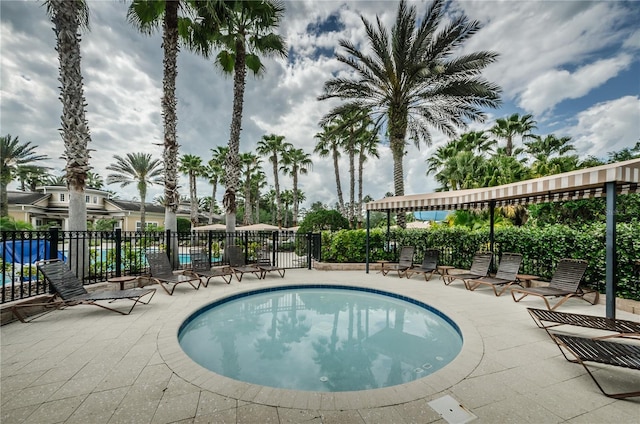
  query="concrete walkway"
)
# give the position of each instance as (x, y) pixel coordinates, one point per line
(87, 365)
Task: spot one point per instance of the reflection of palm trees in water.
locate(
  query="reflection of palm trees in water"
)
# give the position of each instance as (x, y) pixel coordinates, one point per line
(348, 365)
(226, 331)
(284, 330)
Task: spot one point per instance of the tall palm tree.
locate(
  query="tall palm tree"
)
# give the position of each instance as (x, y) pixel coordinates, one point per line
(514, 125)
(13, 155)
(328, 144)
(69, 17)
(147, 15)
(191, 166)
(367, 146)
(245, 31)
(550, 155)
(258, 182)
(250, 164)
(138, 168)
(272, 146)
(415, 79)
(296, 162)
(30, 176)
(287, 199)
(214, 172)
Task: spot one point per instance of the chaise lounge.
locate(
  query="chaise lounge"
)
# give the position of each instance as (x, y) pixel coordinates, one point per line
(69, 291)
(405, 262)
(161, 272)
(505, 276)
(428, 267)
(479, 268)
(602, 352)
(201, 267)
(265, 264)
(565, 283)
(622, 328)
(238, 264)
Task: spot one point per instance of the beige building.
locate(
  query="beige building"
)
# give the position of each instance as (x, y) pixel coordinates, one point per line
(49, 205)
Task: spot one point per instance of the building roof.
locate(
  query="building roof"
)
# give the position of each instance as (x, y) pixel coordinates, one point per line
(580, 184)
(129, 205)
(25, 197)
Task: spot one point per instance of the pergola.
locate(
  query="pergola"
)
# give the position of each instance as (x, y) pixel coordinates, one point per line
(600, 181)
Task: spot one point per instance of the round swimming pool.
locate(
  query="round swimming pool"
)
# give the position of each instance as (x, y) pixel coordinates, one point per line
(320, 338)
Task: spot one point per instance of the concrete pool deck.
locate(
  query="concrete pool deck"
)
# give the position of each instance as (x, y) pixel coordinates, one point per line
(87, 365)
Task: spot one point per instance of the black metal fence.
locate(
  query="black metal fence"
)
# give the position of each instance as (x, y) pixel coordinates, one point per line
(96, 256)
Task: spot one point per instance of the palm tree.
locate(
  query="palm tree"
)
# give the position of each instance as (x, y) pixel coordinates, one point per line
(146, 15)
(512, 126)
(328, 144)
(414, 79)
(243, 29)
(13, 155)
(69, 17)
(30, 176)
(191, 165)
(550, 155)
(295, 162)
(272, 146)
(250, 165)
(94, 180)
(137, 168)
(258, 182)
(367, 147)
(287, 199)
(214, 172)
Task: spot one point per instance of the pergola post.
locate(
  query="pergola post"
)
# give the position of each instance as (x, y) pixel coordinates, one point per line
(610, 244)
(366, 265)
(492, 210)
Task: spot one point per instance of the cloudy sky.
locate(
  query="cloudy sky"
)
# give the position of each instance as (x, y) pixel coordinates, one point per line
(573, 65)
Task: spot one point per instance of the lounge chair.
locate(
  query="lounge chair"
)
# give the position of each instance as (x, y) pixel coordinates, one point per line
(162, 273)
(479, 268)
(239, 265)
(264, 263)
(505, 276)
(201, 267)
(405, 262)
(602, 352)
(428, 267)
(565, 283)
(622, 328)
(69, 291)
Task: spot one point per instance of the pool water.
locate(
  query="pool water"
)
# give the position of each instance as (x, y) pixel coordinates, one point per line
(320, 338)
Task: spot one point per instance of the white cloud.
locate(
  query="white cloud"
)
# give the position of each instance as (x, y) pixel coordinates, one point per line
(607, 127)
(554, 86)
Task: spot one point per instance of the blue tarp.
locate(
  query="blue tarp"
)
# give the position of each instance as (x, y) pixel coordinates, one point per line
(25, 251)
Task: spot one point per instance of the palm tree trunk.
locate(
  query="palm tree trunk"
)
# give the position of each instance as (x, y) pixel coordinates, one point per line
(232, 161)
(75, 130)
(143, 209)
(397, 132)
(295, 197)
(247, 201)
(4, 199)
(361, 159)
(276, 183)
(336, 168)
(170, 119)
(213, 202)
(352, 185)
(193, 194)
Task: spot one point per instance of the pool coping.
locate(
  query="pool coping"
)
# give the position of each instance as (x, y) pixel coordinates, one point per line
(457, 370)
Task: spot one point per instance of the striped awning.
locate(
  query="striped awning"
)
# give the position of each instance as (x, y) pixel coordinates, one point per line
(581, 184)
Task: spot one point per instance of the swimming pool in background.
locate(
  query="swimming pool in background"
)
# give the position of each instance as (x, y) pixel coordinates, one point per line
(320, 338)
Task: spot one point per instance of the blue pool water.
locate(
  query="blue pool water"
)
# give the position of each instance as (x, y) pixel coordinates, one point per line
(320, 338)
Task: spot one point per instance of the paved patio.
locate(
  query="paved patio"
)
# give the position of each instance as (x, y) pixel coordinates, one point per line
(87, 365)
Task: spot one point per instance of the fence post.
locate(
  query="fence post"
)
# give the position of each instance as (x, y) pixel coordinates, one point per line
(53, 243)
(168, 244)
(275, 249)
(309, 255)
(118, 252)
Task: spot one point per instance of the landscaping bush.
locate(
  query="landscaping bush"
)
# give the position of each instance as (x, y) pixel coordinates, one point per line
(541, 247)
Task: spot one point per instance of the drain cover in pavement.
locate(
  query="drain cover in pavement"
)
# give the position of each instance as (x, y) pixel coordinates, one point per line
(451, 410)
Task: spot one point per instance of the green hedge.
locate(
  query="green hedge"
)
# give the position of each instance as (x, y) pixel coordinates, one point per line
(541, 248)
